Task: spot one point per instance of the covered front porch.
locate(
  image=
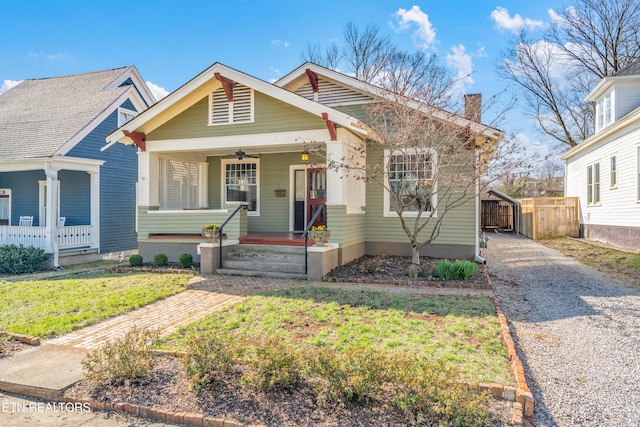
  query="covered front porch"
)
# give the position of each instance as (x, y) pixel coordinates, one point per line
(51, 204)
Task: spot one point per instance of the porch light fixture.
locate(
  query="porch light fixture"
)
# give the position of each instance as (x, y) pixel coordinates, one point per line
(305, 156)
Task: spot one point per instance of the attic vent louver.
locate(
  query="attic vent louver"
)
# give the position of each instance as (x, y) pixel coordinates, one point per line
(223, 112)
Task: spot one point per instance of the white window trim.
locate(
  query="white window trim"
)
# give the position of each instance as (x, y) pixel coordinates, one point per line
(42, 197)
(387, 212)
(612, 184)
(231, 120)
(223, 182)
(592, 184)
(7, 192)
(600, 110)
(126, 111)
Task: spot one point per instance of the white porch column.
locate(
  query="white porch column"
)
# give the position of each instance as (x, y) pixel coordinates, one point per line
(336, 151)
(51, 212)
(203, 187)
(147, 179)
(95, 208)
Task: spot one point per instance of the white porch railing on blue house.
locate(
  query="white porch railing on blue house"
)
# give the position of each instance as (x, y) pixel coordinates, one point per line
(70, 237)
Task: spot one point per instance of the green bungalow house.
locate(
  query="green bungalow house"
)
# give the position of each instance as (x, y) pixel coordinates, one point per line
(227, 139)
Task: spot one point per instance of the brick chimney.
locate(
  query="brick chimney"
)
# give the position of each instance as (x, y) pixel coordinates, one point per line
(473, 107)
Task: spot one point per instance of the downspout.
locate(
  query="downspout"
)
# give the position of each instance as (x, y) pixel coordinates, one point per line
(52, 224)
(477, 257)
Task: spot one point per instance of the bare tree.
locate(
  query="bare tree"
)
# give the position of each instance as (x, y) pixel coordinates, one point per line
(587, 41)
(428, 161)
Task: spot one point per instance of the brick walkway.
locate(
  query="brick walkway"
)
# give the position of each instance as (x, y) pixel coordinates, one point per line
(208, 294)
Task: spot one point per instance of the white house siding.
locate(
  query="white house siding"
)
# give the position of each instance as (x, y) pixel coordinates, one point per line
(616, 219)
(625, 98)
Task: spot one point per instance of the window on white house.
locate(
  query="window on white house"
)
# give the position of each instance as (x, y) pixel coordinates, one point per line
(224, 112)
(178, 184)
(604, 111)
(638, 172)
(613, 172)
(593, 184)
(410, 180)
(125, 115)
(241, 182)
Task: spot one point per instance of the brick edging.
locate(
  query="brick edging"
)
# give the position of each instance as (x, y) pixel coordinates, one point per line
(26, 339)
(524, 406)
(185, 418)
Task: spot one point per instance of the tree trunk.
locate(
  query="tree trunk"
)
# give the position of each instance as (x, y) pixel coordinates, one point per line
(415, 256)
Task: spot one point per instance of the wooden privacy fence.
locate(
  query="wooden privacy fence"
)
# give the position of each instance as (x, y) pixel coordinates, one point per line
(547, 217)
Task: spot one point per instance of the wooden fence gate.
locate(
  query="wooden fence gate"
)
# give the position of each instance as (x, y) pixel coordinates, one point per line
(547, 217)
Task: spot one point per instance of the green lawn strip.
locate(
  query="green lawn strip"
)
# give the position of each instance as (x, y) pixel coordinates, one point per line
(47, 308)
(462, 331)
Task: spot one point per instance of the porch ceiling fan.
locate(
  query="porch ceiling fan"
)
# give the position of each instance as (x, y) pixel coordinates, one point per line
(241, 154)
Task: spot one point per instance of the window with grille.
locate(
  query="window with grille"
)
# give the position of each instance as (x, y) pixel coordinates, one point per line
(223, 112)
(178, 184)
(613, 172)
(410, 181)
(604, 111)
(593, 184)
(125, 115)
(241, 183)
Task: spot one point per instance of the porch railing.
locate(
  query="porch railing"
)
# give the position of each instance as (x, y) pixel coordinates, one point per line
(26, 236)
(220, 231)
(75, 236)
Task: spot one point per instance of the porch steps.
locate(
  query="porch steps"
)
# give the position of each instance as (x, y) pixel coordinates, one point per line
(271, 261)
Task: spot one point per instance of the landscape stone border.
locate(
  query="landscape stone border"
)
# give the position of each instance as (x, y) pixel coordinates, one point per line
(26, 339)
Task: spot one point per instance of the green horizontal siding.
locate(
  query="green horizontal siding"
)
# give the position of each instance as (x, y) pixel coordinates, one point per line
(187, 222)
(458, 225)
(270, 116)
(346, 229)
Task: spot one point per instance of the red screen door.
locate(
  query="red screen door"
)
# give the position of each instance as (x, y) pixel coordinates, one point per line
(317, 194)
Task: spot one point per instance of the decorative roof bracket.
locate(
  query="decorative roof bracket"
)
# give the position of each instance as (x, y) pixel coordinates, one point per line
(138, 138)
(227, 85)
(313, 79)
(331, 126)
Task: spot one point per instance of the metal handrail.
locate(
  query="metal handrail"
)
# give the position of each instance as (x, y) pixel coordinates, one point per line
(305, 234)
(219, 230)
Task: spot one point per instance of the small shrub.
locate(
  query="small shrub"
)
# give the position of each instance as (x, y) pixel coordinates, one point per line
(160, 259)
(21, 259)
(432, 394)
(210, 357)
(124, 359)
(185, 260)
(372, 267)
(354, 375)
(135, 260)
(272, 364)
(460, 269)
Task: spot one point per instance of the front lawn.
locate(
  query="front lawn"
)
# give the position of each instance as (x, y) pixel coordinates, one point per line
(461, 331)
(56, 306)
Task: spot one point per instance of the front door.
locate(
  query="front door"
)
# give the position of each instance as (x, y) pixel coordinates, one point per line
(317, 194)
(299, 198)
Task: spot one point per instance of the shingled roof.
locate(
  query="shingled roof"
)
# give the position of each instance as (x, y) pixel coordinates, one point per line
(631, 70)
(37, 117)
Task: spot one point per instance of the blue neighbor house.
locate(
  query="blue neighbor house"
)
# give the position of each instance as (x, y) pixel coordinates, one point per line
(58, 190)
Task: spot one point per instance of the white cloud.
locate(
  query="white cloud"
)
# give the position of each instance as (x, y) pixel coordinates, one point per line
(425, 34)
(275, 70)
(555, 18)
(49, 56)
(515, 23)
(460, 60)
(158, 91)
(8, 84)
(280, 43)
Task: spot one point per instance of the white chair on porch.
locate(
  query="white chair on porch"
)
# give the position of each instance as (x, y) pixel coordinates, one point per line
(61, 221)
(26, 221)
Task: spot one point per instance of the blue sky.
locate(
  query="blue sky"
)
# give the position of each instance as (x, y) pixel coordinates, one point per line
(172, 41)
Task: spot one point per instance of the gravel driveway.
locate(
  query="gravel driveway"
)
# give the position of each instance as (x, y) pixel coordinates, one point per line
(577, 333)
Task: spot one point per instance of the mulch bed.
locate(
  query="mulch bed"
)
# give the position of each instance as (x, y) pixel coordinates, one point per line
(393, 269)
(9, 346)
(168, 389)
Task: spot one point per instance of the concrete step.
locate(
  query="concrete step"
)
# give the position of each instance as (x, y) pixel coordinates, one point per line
(264, 264)
(263, 256)
(266, 274)
(275, 249)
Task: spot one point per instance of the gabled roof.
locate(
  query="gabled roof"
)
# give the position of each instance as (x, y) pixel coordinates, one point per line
(201, 85)
(48, 116)
(293, 78)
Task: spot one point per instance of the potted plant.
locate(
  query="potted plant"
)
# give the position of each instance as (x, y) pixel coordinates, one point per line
(209, 230)
(319, 234)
